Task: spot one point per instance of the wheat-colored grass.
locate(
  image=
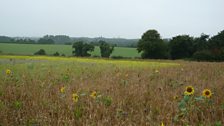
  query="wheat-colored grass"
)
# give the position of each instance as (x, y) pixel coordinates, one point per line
(141, 92)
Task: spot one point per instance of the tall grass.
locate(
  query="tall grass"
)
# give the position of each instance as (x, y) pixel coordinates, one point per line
(39, 91)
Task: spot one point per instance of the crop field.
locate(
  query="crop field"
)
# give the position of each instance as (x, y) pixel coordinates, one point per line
(38, 90)
(30, 49)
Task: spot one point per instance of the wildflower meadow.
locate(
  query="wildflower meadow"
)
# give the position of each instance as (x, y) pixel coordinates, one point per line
(38, 90)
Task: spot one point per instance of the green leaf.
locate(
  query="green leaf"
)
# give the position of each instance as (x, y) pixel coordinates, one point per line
(182, 104)
(200, 98)
(183, 109)
(186, 98)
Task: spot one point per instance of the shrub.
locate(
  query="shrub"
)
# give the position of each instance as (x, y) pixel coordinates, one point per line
(40, 52)
(118, 57)
(56, 54)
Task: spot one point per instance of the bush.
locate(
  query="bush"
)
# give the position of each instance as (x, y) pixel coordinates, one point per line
(63, 54)
(56, 54)
(40, 52)
(118, 57)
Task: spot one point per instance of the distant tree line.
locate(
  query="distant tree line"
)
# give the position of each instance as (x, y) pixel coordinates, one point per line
(63, 39)
(151, 46)
(203, 48)
(44, 40)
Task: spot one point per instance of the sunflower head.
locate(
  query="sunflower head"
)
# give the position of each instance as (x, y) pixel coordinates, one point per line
(75, 97)
(62, 89)
(189, 90)
(8, 72)
(207, 93)
(93, 95)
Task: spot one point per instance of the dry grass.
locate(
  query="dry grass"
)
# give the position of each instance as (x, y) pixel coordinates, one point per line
(138, 95)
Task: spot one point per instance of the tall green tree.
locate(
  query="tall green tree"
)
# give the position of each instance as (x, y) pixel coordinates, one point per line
(106, 49)
(201, 43)
(152, 46)
(216, 43)
(216, 46)
(181, 46)
(82, 49)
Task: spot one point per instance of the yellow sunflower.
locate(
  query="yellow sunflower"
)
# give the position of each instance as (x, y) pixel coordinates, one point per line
(207, 93)
(8, 72)
(189, 90)
(75, 97)
(62, 89)
(93, 94)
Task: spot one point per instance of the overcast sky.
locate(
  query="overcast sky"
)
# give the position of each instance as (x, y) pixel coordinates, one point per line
(110, 18)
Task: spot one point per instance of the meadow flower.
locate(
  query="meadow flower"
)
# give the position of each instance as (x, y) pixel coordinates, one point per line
(62, 89)
(207, 93)
(8, 72)
(189, 90)
(75, 97)
(93, 95)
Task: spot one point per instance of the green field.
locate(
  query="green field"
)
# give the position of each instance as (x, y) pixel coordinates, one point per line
(30, 49)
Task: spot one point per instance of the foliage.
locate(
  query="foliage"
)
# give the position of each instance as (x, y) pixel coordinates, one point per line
(201, 43)
(209, 49)
(105, 49)
(56, 54)
(152, 45)
(45, 41)
(181, 47)
(59, 39)
(217, 42)
(5, 39)
(204, 55)
(192, 104)
(40, 52)
(82, 49)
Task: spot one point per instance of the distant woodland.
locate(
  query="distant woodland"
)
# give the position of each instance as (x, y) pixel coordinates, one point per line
(63, 39)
